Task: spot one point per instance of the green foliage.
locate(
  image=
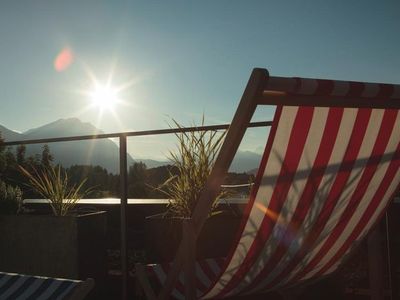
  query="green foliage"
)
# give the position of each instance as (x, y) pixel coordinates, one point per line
(53, 184)
(106, 184)
(10, 199)
(47, 158)
(21, 152)
(137, 178)
(193, 162)
(13, 157)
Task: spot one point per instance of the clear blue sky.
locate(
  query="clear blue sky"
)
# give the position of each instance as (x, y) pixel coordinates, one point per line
(186, 57)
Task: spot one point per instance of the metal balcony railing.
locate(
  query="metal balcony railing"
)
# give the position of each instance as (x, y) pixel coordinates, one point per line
(122, 136)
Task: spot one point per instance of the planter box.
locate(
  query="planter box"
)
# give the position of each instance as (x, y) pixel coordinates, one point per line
(68, 247)
(163, 235)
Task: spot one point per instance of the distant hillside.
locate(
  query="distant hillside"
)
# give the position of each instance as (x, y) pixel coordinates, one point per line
(9, 135)
(62, 127)
(102, 152)
(252, 171)
(151, 163)
(244, 162)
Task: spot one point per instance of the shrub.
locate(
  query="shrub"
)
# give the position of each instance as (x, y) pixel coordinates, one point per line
(10, 199)
(192, 163)
(53, 184)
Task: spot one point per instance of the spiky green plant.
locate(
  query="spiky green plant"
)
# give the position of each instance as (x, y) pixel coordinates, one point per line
(192, 164)
(10, 199)
(52, 183)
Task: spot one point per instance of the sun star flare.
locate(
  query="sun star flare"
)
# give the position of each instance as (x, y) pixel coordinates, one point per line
(104, 96)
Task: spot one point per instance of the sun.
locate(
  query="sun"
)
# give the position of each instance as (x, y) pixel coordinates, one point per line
(104, 97)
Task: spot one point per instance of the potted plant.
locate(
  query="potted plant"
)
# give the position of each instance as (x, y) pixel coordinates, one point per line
(10, 199)
(65, 244)
(191, 166)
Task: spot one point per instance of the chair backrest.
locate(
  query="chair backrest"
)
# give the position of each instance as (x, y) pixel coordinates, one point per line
(329, 170)
(18, 286)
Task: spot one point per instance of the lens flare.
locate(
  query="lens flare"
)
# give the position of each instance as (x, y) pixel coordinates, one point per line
(271, 214)
(285, 231)
(63, 60)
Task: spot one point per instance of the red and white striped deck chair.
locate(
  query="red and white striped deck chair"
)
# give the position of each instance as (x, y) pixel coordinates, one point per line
(329, 170)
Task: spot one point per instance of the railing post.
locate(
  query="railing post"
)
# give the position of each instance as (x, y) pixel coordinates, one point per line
(123, 209)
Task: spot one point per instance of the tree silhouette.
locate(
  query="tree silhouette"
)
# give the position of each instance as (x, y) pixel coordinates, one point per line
(137, 178)
(47, 158)
(21, 151)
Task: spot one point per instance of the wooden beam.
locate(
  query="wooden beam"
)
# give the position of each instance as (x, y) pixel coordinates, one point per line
(282, 98)
(230, 146)
(228, 150)
(189, 240)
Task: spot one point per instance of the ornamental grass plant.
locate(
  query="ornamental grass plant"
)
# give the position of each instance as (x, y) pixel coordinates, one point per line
(53, 184)
(192, 163)
(10, 199)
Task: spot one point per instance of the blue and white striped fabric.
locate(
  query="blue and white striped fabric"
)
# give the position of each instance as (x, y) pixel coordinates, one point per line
(17, 286)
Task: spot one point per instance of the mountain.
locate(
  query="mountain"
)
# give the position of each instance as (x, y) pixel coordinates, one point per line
(244, 162)
(9, 135)
(151, 163)
(102, 152)
(65, 127)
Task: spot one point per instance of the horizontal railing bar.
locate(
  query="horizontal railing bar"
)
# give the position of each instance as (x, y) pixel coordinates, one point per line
(133, 201)
(131, 133)
(137, 201)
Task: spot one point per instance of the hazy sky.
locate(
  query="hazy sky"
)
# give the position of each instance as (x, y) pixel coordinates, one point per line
(181, 58)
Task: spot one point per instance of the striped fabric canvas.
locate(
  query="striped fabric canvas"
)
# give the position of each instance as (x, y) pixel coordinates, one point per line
(326, 177)
(24, 287)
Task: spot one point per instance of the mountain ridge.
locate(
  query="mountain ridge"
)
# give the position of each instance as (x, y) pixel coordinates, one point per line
(72, 126)
(9, 135)
(102, 152)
